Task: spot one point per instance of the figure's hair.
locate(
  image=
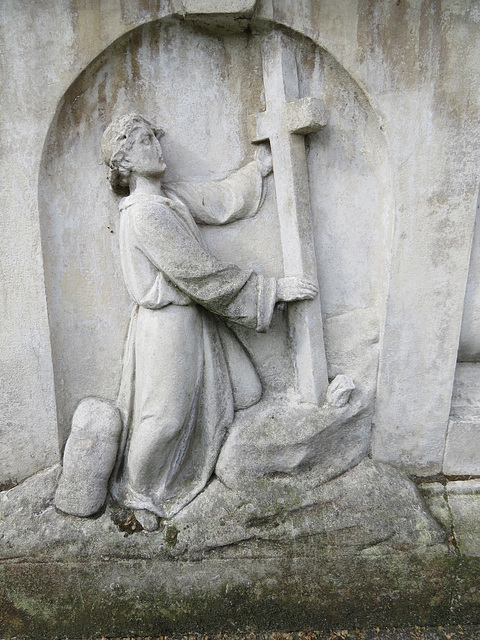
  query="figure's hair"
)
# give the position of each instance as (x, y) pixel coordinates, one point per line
(116, 142)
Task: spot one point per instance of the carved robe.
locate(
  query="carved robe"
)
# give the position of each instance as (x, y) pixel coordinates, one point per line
(184, 371)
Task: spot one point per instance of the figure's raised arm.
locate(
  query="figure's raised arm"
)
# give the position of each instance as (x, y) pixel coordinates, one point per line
(237, 196)
(242, 296)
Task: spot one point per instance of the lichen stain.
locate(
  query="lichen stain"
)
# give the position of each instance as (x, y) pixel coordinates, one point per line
(143, 596)
(133, 55)
(171, 535)
(149, 7)
(88, 27)
(402, 36)
(102, 96)
(10, 616)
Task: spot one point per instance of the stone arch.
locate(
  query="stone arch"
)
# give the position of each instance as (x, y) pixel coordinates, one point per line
(157, 63)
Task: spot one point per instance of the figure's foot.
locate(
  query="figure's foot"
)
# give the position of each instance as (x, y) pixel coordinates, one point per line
(147, 519)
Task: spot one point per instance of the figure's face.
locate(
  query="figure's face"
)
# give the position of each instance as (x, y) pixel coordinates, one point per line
(145, 154)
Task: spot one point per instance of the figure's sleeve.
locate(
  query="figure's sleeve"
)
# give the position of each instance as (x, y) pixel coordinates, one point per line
(221, 201)
(244, 297)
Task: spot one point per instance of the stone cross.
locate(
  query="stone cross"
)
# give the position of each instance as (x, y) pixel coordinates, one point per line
(285, 121)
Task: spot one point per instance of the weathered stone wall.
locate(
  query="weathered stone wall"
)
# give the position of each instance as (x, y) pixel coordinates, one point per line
(416, 64)
(394, 189)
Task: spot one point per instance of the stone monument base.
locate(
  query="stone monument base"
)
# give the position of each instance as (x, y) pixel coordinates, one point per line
(359, 550)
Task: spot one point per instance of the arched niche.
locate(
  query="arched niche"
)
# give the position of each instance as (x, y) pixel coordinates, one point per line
(201, 84)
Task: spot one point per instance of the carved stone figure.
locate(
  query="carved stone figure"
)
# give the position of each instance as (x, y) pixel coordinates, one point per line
(184, 372)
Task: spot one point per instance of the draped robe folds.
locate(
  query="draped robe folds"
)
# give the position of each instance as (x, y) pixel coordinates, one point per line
(184, 372)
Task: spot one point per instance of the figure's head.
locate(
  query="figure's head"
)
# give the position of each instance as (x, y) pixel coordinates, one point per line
(131, 144)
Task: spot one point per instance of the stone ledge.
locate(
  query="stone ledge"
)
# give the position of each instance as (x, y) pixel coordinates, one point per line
(158, 597)
(242, 8)
(359, 550)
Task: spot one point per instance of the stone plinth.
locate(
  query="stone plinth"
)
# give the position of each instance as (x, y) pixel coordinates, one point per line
(358, 550)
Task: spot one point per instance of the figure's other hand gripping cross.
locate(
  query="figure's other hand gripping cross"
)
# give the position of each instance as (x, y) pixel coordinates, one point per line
(285, 122)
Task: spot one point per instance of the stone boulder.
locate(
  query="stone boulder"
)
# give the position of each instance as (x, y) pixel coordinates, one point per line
(284, 437)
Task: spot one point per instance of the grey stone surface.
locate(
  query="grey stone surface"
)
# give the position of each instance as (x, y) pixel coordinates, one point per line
(297, 525)
(430, 249)
(354, 353)
(281, 437)
(368, 510)
(360, 549)
(184, 372)
(456, 505)
(371, 509)
(340, 390)
(464, 503)
(89, 458)
(469, 347)
(435, 494)
(462, 448)
(284, 122)
(339, 161)
(88, 307)
(240, 8)
(466, 389)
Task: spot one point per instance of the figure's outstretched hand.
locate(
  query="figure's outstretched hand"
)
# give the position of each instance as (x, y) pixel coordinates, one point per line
(263, 158)
(296, 288)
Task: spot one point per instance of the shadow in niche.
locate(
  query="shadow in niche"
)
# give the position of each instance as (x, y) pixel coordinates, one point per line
(469, 345)
(461, 458)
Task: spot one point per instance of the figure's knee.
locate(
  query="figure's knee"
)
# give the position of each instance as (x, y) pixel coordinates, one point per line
(248, 395)
(152, 435)
(148, 452)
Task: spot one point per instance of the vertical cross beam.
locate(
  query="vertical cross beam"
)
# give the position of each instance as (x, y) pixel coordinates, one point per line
(285, 121)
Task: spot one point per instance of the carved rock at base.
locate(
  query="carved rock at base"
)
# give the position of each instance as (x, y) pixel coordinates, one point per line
(340, 390)
(372, 508)
(369, 508)
(279, 437)
(89, 457)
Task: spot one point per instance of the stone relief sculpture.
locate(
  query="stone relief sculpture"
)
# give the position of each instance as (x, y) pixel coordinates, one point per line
(187, 439)
(275, 492)
(184, 372)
